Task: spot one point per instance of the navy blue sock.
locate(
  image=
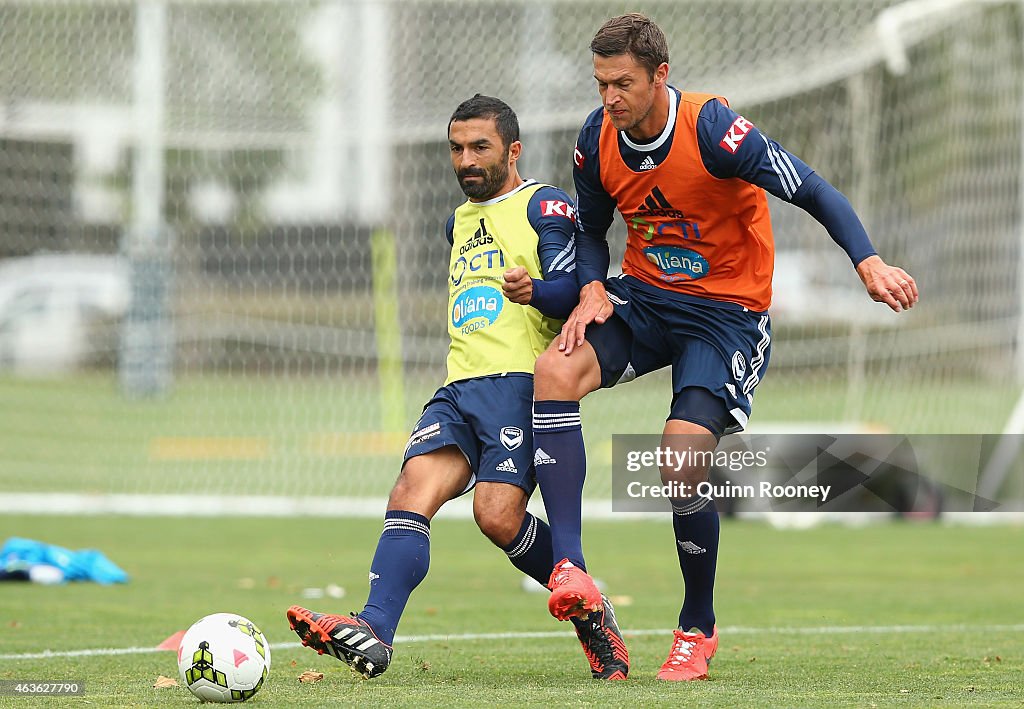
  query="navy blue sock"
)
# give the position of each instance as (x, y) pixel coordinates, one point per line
(530, 551)
(696, 524)
(561, 464)
(400, 563)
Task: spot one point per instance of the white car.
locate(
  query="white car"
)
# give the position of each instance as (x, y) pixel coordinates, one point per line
(52, 307)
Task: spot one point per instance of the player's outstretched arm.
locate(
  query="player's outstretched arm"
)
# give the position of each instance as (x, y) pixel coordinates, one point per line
(747, 153)
(888, 284)
(594, 306)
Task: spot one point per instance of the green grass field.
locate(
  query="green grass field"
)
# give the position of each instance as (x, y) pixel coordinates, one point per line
(898, 615)
(278, 435)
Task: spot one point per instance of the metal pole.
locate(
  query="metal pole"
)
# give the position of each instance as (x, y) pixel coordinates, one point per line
(374, 205)
(148, 172)
(864, 136)
(1019, 369)
(1007, 451)
(147, 342)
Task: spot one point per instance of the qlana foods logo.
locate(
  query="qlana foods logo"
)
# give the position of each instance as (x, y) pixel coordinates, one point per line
(476, 308)
(677, 262)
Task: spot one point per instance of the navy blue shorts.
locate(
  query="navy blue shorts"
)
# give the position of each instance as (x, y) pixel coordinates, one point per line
(722, 348)
(490, 419)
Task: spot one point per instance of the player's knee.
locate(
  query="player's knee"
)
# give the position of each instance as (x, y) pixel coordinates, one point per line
(558, 377)
(692, 438)
(404, 494)
(417, 493)
(429, 480)
(500, 527)
(693, 464)
(498, 510)
(689, 475)
(548, 369)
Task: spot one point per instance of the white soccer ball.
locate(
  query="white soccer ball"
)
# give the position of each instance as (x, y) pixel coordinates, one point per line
(224, 658)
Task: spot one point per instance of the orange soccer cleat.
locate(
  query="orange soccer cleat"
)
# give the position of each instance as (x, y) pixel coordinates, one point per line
(573, 592)
(349, 639)
(690, 656)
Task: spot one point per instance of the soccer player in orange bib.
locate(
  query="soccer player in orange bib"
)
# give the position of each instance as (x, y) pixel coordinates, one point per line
(688, 175)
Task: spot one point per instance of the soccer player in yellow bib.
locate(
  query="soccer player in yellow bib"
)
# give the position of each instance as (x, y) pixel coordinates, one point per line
(511, 281)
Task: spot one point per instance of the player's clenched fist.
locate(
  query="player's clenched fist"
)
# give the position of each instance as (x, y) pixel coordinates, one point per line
(518, 286)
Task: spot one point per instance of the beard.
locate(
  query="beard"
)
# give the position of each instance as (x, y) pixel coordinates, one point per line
(493, 179)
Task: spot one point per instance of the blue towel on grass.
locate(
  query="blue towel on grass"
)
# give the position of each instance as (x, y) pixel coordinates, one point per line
(20, 554)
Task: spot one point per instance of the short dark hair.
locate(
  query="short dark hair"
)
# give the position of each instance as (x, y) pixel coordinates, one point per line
(633, 34)
(481, 106)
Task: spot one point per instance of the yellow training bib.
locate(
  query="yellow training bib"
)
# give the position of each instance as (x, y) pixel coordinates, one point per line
(489, 333)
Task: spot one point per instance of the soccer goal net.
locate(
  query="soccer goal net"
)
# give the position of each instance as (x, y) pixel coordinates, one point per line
(221, 225)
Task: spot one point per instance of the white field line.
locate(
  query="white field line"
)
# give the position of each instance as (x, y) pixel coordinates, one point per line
(469, 637)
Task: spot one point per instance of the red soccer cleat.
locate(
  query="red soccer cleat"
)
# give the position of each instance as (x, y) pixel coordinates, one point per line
(349, 639)
(690, 656)
(573, 592)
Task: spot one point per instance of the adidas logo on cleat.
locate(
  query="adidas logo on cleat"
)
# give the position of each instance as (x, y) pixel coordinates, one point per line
(358, 640)
(542, 458)
(506, 466)
(350, 639)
